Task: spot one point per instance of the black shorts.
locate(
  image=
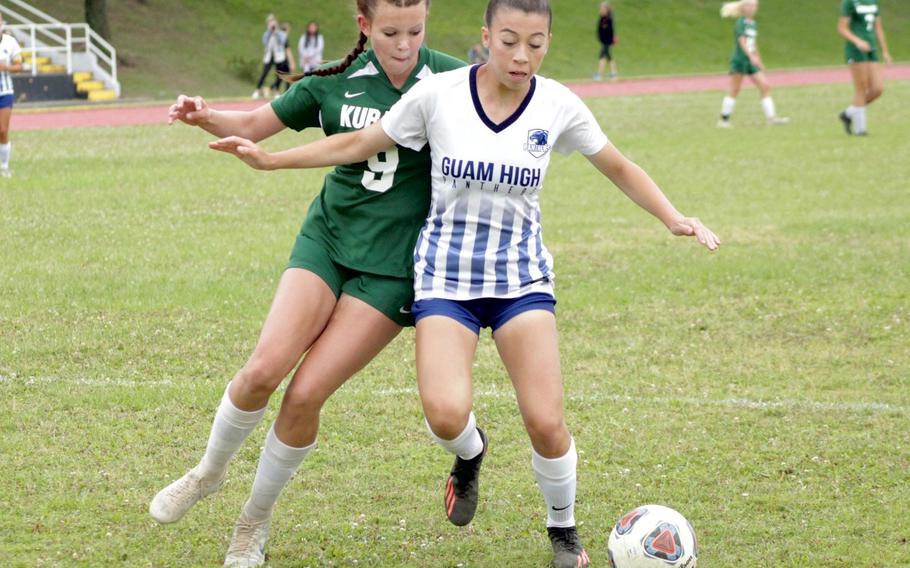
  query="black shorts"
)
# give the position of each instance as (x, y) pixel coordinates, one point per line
(605, 52)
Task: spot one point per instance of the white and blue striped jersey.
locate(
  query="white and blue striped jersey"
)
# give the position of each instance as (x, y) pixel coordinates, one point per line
(10, 53)
(483, 237)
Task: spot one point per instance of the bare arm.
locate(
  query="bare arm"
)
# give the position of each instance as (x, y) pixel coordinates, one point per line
(843, 28)
(882, 41)
(13, 67)
(335, 150)
(640, 188)
(253, 125)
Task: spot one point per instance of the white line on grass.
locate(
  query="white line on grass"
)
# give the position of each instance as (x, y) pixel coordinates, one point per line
(750, 404)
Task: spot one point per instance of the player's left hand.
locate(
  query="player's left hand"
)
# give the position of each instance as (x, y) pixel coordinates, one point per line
(888, 60)
(251, 154)
(693, 227)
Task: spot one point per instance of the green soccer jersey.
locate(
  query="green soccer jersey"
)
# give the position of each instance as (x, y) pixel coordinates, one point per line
(367, 215)
(863, 15)
(749, 30)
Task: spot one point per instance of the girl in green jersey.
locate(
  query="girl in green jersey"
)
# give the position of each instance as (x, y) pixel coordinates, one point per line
(861, 25)
(334, 303)
(746, 60)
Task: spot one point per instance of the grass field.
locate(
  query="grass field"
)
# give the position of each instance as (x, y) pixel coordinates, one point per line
(655, 37)
(761, 390)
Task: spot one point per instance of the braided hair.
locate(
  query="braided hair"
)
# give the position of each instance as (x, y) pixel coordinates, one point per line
(334, 69)
(364, 7)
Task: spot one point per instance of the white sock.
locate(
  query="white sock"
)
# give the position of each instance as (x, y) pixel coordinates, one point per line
(556, 478)
(229, 430)
(277, 465)
(466, 445)
(859, 120)
(851, 110)
(767, 105)
(726, 109)
(5, 151)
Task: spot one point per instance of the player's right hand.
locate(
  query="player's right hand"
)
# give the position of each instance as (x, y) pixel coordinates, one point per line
(191, 110)
(251, 154)
(863, 46)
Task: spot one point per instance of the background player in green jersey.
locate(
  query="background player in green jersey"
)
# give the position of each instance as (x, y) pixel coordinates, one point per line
(746, 60)
(348, 288)
(861, 25)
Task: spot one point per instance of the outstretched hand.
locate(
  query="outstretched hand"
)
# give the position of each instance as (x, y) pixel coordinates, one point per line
(251, 154)
(692, 227)
(191, 110)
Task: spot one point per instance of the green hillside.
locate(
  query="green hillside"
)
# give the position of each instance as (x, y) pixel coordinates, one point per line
(212, 46)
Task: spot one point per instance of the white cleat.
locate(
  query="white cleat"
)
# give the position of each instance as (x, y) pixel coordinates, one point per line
(247, 548)
(778, 121)
(724, 124)
(256, 94)
(6, 172)
(172, 502)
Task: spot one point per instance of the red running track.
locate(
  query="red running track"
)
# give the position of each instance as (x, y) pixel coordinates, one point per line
(157, 114)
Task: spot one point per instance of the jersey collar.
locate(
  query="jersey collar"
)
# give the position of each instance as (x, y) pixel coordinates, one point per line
(497, 128)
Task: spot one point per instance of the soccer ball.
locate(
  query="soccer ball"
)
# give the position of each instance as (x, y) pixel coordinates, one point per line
(653, 536)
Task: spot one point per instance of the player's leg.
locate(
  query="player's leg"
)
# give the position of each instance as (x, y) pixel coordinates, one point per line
(614, 68)
(355, 334)
(445, 353)
(5, 146)
(854, 117)
(767, 103)
(529, 349)
(729, 102)
(299, 312)
(876, 81)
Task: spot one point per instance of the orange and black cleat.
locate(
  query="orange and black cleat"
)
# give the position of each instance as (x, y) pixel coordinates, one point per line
(567, 549)
(461, 487)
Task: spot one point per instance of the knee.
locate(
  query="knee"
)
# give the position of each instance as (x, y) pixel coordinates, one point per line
(447, 418)
(302, 399)
(261, 375)
(548, 434)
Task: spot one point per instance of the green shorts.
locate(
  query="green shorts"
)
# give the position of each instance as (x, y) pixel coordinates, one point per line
(853, 54)
(391, 296)
(742, 67)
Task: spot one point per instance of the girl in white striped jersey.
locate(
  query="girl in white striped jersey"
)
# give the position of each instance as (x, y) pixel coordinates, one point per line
(480, 260)
(10, 62)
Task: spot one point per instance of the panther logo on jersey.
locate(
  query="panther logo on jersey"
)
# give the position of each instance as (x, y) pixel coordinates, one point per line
(538, 143)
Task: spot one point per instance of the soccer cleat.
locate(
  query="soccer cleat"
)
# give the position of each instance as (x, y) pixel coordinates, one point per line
(568, 551)
(248, 543)
(461, 487)
(6, 172)
(172, 502)
(724, 124)
(256, 94)
(778, 120)
(848, 122)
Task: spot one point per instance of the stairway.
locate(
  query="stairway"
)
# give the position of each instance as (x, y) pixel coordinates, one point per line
(62, 61)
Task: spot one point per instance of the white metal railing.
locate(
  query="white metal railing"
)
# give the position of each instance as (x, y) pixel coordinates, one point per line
(76, 46)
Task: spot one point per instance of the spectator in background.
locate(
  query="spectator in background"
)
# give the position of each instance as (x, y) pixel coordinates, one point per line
(275, 51)
(607, 38)
(287, 66)
(310, 48)
(478, 54)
